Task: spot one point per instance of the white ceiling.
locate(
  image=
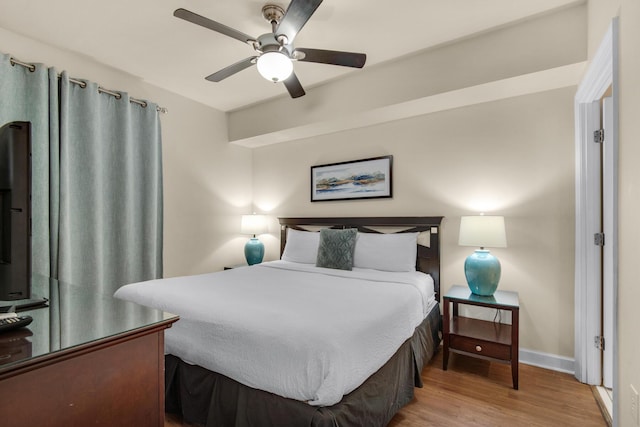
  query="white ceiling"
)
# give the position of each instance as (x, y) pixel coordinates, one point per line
(142, 38)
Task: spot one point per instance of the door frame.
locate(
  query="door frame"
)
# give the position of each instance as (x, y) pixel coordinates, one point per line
(600, 76)
(610, 229)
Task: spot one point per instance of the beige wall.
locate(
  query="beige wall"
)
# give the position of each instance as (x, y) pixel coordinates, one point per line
(600, 14)
(512, 157)
(628, 288)
(207, 182)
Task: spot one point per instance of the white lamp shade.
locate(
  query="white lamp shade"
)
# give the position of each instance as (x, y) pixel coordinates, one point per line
(253, 224)
(485, 231)
(274, 66)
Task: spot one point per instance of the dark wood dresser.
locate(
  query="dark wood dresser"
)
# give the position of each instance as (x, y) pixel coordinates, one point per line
(86, 359)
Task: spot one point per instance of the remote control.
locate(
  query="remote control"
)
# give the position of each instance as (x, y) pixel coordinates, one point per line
(8, 322)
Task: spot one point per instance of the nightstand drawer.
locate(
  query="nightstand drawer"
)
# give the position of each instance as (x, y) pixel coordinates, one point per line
(480, 347)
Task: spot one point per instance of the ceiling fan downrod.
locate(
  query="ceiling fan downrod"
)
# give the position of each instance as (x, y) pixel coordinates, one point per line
(273, 14)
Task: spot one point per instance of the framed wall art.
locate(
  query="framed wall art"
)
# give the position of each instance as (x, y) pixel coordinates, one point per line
(355, 179)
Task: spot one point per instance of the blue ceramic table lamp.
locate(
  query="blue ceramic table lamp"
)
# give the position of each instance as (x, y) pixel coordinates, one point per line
(254, 248)
(482, 269)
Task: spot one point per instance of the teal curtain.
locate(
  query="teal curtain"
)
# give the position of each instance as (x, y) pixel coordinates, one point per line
(97, 178)
(110, 208)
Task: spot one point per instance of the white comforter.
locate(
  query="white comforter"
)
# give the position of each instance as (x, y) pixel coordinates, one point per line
(301, 332)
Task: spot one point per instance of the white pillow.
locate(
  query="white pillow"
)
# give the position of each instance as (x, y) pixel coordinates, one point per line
(301, 246)
(386, 252)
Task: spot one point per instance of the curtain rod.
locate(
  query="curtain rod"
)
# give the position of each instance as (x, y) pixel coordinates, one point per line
(82, 84)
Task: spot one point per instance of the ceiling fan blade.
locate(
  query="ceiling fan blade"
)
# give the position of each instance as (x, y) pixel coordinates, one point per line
(297, 14)
(194, 18)
(346, 59)
(231, 69)
(293, 86)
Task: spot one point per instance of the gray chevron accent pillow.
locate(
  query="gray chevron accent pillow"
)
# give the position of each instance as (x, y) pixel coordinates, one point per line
(336, 248)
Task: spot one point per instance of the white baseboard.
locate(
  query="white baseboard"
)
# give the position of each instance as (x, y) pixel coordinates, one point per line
(547, 361)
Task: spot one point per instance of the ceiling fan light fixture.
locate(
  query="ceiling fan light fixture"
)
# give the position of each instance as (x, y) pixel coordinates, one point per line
(275, 51)
(274, 66)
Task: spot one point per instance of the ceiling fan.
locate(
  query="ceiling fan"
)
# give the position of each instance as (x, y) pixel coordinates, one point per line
(275, 50)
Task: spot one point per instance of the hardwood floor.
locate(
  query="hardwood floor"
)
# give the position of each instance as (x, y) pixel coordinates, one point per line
(475, 392)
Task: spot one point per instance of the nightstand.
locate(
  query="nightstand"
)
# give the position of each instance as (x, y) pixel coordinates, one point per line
(480, 338)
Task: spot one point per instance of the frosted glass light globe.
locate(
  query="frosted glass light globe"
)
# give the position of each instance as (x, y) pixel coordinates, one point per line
(274, 66)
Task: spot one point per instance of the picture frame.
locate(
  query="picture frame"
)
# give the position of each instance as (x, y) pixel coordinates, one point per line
(355, 179)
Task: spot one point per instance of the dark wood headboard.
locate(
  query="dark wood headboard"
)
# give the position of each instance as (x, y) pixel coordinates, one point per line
(428, 258)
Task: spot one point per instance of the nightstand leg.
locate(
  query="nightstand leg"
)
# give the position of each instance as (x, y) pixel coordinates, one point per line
(515, 324)
(445, 354)
(445, 335)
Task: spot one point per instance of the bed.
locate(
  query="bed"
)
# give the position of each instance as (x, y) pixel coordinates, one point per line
(292, 343)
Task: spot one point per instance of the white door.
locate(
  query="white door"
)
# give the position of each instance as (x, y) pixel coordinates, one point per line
(609, 222)
(588, 321)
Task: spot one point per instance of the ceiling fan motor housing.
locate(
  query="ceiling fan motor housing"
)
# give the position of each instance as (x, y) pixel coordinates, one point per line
(268, 43)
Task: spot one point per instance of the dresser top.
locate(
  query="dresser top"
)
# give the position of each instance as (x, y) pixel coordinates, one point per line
(75, 316)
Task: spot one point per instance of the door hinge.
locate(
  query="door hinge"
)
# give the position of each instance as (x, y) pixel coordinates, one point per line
(598, 239)
(598, 342)
(598, 136)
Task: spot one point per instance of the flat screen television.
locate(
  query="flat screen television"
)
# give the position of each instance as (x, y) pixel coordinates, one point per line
(15, 211)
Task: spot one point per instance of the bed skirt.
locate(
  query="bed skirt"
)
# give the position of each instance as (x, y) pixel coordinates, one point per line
(210, 399)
